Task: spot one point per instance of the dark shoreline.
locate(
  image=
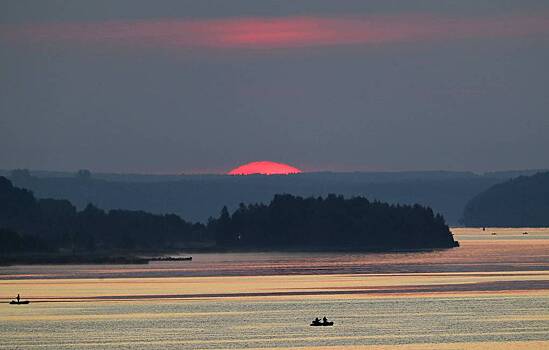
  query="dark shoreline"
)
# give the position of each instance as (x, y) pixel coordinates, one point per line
(59, 259)
(143, 258)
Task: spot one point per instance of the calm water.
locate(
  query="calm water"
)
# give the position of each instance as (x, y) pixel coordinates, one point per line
(492, 292)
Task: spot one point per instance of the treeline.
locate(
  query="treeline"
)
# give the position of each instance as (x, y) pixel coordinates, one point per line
(28, 224)
(331, 223)
(197, 197)
(520, 202)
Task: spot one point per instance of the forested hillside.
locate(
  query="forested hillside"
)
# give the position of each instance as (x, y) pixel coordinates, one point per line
(197, 197)
(520, 202)
(28, 224)
(331, 222)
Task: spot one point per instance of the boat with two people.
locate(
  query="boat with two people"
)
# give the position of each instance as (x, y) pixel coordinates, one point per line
(325, 322)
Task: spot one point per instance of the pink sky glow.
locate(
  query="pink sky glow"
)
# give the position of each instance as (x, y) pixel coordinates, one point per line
(283, 32)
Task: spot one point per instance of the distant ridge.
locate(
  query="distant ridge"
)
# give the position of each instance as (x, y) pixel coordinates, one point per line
(197, 197)
(519, 202)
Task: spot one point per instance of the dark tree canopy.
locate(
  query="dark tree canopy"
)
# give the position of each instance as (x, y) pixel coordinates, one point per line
(30, 224)
(57, 223)
(520, 202)
(331, 223)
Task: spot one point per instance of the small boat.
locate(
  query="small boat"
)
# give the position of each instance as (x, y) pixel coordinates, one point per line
(317, 323)
(493, 233)
(20, 302)
(525, 233)
(172, 258)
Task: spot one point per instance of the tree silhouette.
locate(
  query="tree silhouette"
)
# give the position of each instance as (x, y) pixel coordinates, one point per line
(288, 221)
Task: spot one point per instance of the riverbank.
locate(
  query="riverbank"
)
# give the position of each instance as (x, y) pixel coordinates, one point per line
(143, 258)
(65, 259)
(88, 259)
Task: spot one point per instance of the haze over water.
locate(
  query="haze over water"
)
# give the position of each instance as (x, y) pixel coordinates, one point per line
(492, 292)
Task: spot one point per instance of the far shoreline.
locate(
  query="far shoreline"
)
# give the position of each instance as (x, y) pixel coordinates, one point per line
(144, 258)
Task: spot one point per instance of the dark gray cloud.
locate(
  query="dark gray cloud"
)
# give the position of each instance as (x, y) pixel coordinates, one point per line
(473, 103)
(14, 11)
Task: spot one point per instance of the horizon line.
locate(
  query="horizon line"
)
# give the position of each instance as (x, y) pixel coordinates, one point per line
(304, 172)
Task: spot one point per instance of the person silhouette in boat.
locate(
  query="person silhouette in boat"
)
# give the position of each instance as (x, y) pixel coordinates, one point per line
(324, 319)
(316, 320)
(18, 298)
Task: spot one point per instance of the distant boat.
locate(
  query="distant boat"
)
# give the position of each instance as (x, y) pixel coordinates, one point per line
(20, 302)
(317, 323)
(525, 233)
(493, 233)
(172, 258)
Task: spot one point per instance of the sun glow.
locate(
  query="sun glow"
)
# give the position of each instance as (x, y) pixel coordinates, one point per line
(264, 168)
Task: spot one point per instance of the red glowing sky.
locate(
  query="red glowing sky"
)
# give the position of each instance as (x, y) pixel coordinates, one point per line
(264, 168)
(281, 32)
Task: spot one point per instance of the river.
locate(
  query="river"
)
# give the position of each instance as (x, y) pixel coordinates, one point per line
(491, 292)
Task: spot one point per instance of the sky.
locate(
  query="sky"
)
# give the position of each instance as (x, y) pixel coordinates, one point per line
(203, 86)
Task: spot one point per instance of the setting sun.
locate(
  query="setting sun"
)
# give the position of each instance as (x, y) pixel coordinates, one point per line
(264, 168)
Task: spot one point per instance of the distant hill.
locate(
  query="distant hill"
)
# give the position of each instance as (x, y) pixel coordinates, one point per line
(520, 202)
(197, 197)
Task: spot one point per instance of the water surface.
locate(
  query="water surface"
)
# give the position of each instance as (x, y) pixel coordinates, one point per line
(492, 292)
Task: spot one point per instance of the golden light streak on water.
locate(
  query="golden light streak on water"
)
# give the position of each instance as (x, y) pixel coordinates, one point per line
(226, 286)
